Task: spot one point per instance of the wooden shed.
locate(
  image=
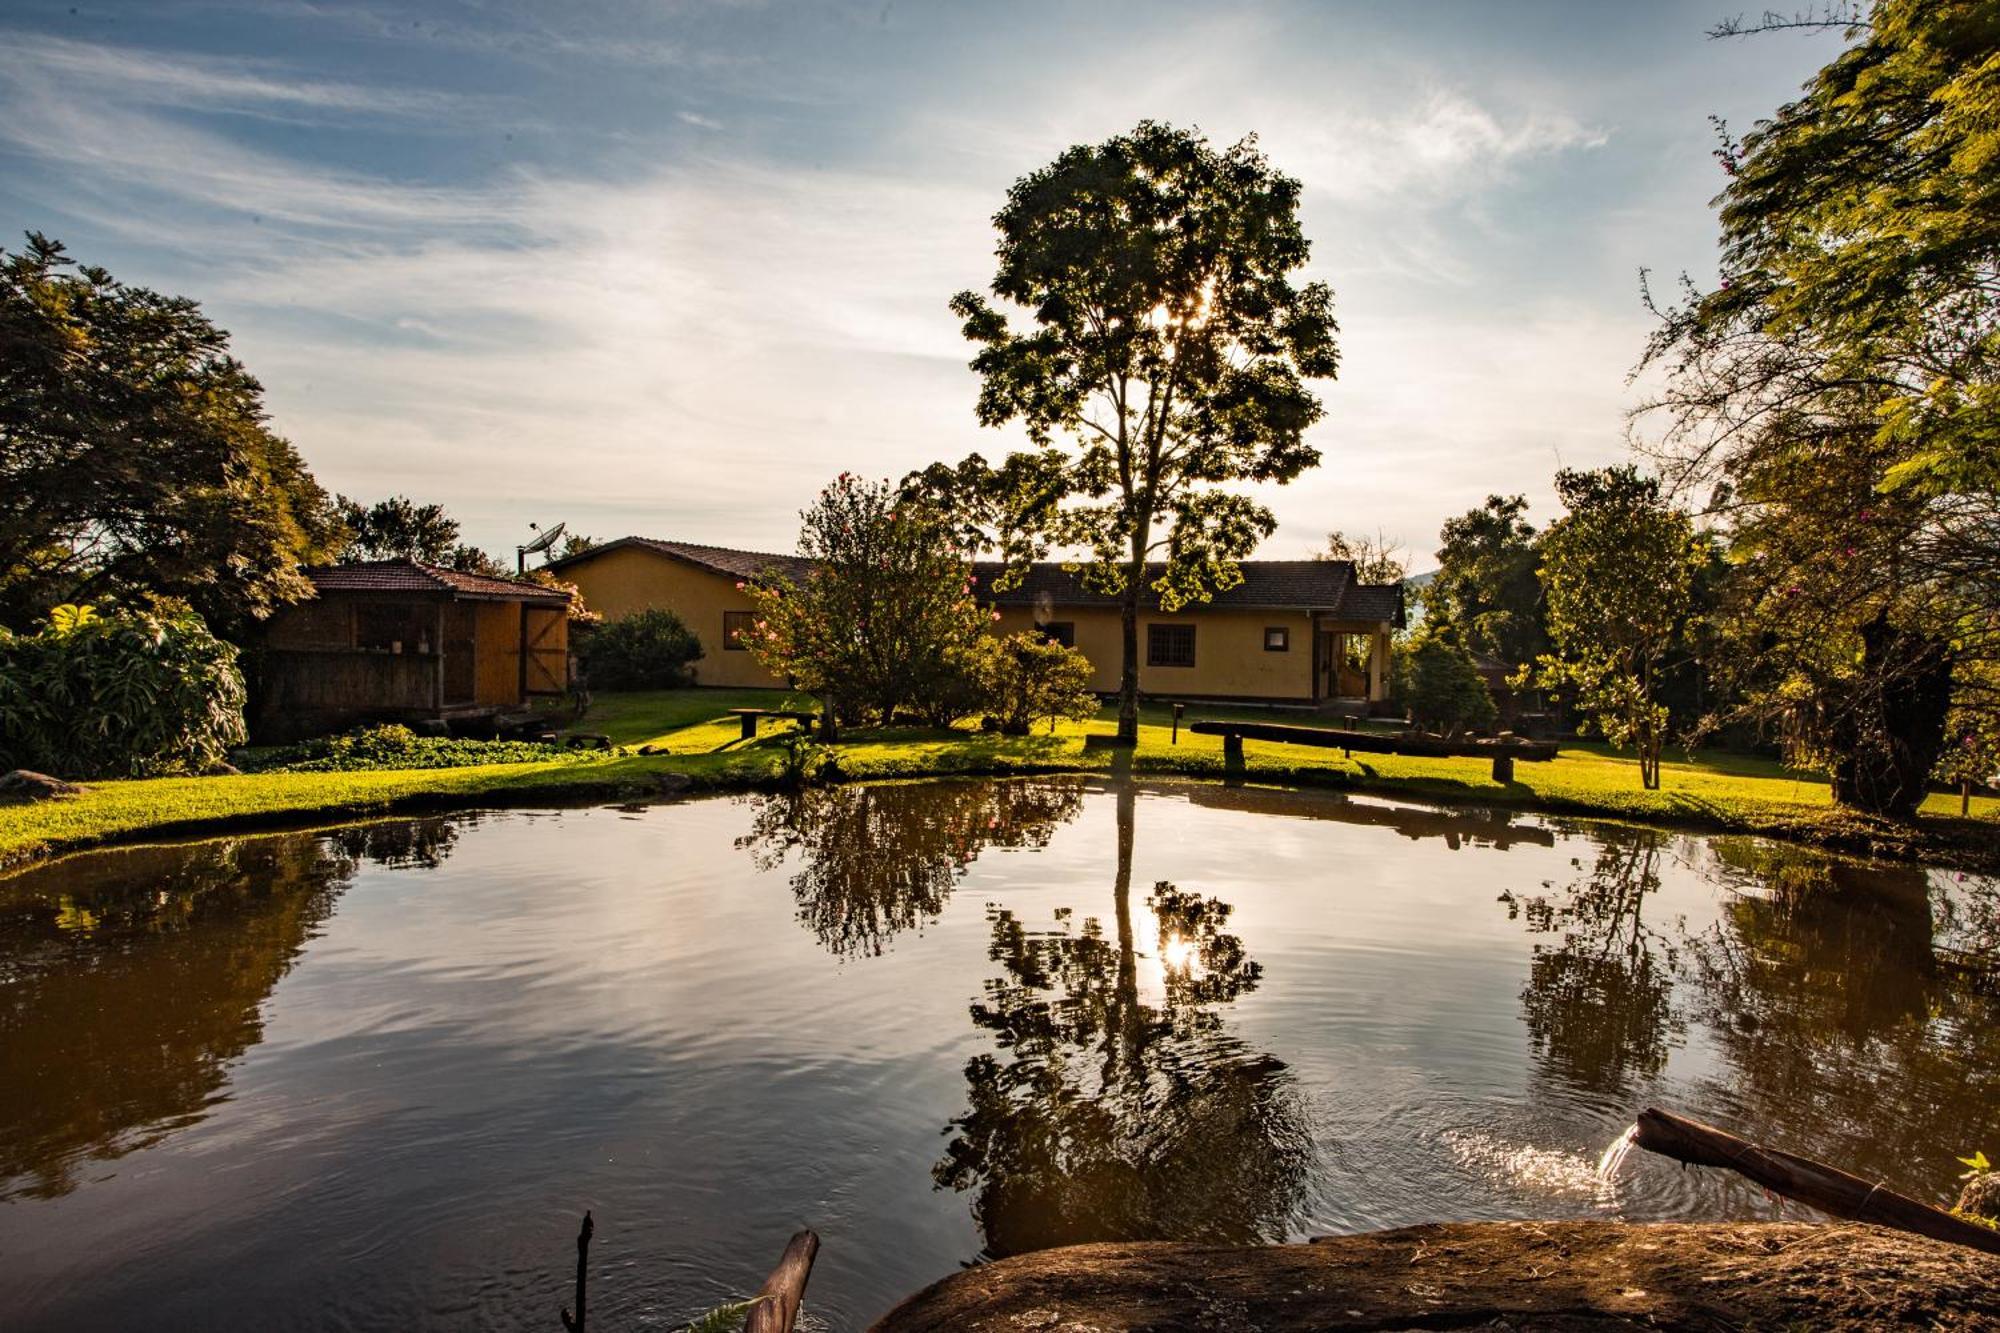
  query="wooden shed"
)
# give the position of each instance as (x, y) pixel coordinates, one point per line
(398, 640)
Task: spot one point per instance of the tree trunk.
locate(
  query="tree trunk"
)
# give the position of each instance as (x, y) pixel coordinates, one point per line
(1890, 729)
(1128, 673)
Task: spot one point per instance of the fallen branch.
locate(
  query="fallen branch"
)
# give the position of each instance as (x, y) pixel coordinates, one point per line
(1813, 1183)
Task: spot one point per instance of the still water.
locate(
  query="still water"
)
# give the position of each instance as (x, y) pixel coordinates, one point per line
(372, 1077)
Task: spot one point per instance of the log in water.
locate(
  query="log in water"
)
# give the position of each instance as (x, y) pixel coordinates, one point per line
(1826, 1188)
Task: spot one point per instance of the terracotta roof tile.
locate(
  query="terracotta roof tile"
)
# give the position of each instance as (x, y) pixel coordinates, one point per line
(413, 576)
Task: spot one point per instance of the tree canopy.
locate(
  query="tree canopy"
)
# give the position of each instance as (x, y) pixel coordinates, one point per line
(1485, 593)
(1618, 574)
(1165, 358)
(135, 459)
(1835, 397)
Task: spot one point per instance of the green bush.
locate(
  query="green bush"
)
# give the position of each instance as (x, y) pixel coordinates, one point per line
(395, 746)
(1025, 677)
(648, 650)
(118, 694)
(1443, 688)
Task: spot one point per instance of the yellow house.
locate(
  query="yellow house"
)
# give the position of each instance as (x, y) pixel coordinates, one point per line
(1293, 631)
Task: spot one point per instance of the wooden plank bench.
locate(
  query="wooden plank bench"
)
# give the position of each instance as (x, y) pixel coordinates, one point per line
(1502, 750)
(751, 716)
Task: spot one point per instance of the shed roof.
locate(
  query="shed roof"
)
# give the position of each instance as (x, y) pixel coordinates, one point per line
(1319, 585)
(413, 577)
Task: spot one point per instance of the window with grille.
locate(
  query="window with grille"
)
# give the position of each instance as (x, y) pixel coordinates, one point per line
(1170, 645)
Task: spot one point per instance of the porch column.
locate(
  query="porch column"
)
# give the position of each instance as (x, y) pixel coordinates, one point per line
(1378, 666)
(437, 666)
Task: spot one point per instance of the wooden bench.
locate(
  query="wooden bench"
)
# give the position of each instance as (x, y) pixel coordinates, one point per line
(1502, 750)
(750, 717)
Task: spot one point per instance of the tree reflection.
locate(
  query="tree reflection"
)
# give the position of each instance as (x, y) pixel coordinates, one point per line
(130, 980)
(1599, 1003)
(1105, 1117)
(878, 860)
(1846, 1037)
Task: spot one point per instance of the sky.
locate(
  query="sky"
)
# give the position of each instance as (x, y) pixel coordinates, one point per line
(665, 267)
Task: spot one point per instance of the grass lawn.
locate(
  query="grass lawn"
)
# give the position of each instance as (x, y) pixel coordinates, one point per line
(695, 740)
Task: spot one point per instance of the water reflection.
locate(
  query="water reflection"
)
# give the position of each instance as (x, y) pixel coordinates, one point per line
(1821, 988)
(875, 861)
(1106, 1115)
(130, 980)
(1456, 827)
(1599, 1003)
(1817, 988)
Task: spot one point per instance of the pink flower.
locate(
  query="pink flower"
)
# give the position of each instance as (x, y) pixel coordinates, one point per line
(996, 615)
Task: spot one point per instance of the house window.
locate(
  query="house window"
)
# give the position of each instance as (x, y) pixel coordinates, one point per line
(736, 627)
(1170, 645)
(1060, 631)
(1277, 639)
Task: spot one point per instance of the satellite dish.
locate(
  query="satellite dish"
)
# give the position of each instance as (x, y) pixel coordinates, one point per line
(541, 543)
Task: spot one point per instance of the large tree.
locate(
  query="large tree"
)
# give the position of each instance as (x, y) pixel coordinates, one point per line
(399, 528)
(1485, 594)
(884, 617)
(1164, 359)
(1836, 396)
(134, 456)
(1618, 575)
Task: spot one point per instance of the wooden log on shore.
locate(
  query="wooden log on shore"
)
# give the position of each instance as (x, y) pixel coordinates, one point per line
(777, 1301)
(1816, 1184)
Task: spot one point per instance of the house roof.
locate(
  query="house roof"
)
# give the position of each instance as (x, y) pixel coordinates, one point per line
(725, 560)
(1319, 585)
(419, 579)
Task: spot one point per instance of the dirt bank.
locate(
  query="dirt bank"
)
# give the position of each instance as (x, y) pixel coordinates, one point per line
(1482, 1275)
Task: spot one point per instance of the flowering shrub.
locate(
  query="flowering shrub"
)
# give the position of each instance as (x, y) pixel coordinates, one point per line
(886, 619)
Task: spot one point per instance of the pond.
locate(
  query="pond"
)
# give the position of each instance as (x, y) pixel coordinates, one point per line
(374, 1075)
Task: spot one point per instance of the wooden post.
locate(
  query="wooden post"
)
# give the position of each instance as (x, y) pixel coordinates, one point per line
(777, 1302)
(1821, 1186)
(1232, 752)
(437, 687)
(749, 725)
(1503, 768)
(1178, 710)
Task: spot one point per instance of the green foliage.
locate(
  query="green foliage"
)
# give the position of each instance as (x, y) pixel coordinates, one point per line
(398, 528)
(647, 650)
(1618, 575)
(134, 458)
(393, 746)
(1837, 393)
(886, 618)
(1972, 741)
(1166, 359)
(1025, 677)
(1442, 687)
(118, 694)
(1485, 589)
(726, 1318)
